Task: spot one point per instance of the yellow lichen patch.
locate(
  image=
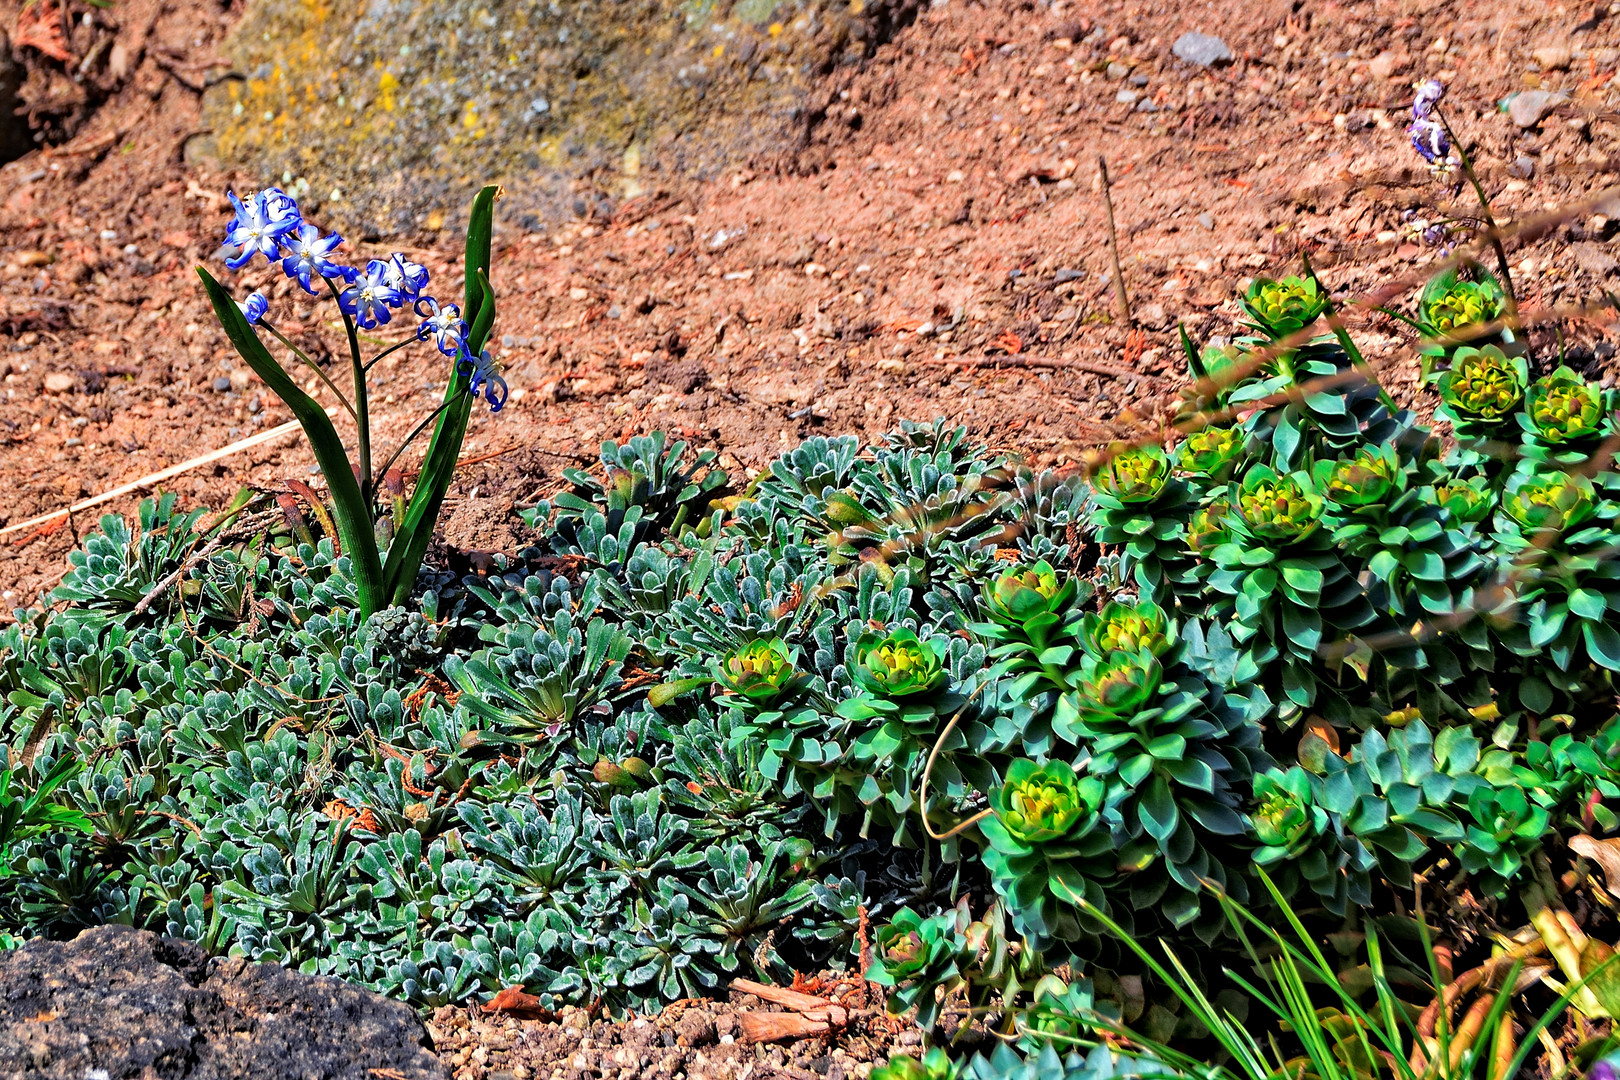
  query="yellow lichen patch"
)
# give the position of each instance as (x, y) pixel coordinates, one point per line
(386, 87)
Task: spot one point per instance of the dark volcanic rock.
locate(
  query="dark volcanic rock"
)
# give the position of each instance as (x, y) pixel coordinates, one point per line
(118, 1002)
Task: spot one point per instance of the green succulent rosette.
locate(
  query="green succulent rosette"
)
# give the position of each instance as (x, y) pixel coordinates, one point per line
(1208, 529)
(1042, 803)
(1469, 500)
(1133, 475)
(1450, 306)
(1367, 479)
(1483, 385)
(1044, 832)
(1281, 508)
(1210, 452)
(1131, 628)
(935, 1065)
(915, 957)
(761, 671)
(1280, 308)
(1016, 596)
(1117, 685)
(1286, 819)
(898, 664)
(1548, 501)
(1562, 408)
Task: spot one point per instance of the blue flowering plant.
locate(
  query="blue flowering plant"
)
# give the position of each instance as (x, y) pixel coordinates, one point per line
(270, 224)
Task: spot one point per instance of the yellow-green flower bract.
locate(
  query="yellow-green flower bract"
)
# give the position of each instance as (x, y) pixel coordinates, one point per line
(1550, 502)
(1279, 508)
(1206, 451)
(1135, 474)
(1483, 384)
(1465, 304)
(1564, 407)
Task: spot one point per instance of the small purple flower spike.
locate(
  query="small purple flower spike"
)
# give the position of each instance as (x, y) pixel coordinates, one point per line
(1428, 96)
(1430, 140)
(1606, 1069)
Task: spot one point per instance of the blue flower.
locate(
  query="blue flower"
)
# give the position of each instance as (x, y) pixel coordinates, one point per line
(406, 278)
(308, 255)
(254, 308)
(444, 325)
(259, 226)
(369, 296)
(1428, 96)
(1430, 140)
(480, 375)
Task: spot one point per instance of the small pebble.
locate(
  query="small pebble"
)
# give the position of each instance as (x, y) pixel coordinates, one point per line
(222, 384)
(1126, 97)
(1117, 70)
(1530, 107)
(1205, 50)
(1207, 220)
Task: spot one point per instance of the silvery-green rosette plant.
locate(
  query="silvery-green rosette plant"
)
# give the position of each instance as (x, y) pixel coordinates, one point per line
(270, 223)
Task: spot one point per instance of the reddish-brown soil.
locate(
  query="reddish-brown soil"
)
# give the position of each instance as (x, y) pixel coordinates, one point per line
(949, 185)
(933, 244)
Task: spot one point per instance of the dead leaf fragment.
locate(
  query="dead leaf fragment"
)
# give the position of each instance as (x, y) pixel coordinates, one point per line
(1606, 853)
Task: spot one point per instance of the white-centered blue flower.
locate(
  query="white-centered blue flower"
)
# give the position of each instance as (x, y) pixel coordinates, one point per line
(443, 324)
(260, 224)
(309, 255)
(369, 296)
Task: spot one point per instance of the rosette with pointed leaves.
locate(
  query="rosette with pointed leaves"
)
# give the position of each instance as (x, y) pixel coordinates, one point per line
(867, 757)
(1282, 582)
(1564, 418)
(644, 473)
(1480, 390)
(1301, 842)
(898, 665)
(1048, 847)
(1555, 536)
(1171, 748)
(921, 960)
(118, 566)
(1034, 616)
(761, 671)
(1141, 506)
(1454, 312)
(1417, 566)
(1281, 308)
(1210, 452)
(1131, 628)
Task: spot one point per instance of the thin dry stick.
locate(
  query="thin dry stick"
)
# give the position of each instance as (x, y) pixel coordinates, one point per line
(922, 790)
(1113, 244)
(162, 474)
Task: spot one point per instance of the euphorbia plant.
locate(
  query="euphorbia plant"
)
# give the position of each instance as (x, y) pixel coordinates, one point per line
(270, 224)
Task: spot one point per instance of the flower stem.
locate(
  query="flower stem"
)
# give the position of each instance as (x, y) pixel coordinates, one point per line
(421, 427)
(392, 348)
(1490, 218)
(362, 414)
(313, 366)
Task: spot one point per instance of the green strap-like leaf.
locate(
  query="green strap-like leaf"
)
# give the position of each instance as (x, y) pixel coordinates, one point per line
(353, 516)
(439, 464)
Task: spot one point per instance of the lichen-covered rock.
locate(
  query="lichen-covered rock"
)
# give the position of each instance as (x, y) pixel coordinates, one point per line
(119, 1002)
(393, 113)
